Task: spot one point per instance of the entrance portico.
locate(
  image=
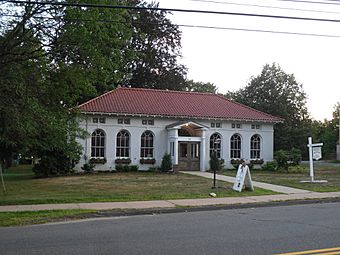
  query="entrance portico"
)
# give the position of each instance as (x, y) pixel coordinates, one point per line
(187, 145)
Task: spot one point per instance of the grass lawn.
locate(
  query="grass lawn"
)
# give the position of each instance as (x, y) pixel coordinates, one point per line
(23, 188)
(40, 217)
(297, 174)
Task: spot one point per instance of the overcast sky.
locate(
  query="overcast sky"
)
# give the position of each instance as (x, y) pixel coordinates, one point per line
(229, 58)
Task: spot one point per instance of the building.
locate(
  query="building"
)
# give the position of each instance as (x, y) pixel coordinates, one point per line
(138, 126)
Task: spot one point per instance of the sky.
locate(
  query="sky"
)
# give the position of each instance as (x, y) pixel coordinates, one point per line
(229, 58)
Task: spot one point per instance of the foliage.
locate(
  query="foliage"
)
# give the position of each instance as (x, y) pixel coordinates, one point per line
(119, 167)
(214, 162)
(279, 94)
(191, 85)
(295, 157)
(88, 167)
(157, 43)
(327, 132)
(133, 168)
(282, 158)
(166, 163)
(285, 158)
(270, 166)
(53, 163)
(126, 168)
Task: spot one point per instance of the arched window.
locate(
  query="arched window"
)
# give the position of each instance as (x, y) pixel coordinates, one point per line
(255, 147)
(98, 144)
(123, 144)
(215, 144)
(235, 146)
(146, 150)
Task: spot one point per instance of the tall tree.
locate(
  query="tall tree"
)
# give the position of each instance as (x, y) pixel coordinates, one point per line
(278, 93)
(157, 42)
(208, 87)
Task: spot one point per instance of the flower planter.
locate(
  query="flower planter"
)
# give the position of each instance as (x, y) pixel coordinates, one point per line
(125, 161)
(97, 160)
(256, 161)
(147, 161)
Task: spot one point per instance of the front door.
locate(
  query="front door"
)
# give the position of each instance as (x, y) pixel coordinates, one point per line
(189, 156)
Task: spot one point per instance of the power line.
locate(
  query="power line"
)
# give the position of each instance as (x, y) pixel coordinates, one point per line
(190, 26)
(311, 2)
(264, 6)
(175, 10)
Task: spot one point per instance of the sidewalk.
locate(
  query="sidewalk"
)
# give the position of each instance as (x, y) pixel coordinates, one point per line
(288, 194)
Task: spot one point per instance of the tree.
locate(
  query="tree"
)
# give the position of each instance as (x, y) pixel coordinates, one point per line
(200, 86)
(157, 42)
(278, 93)
(326, 132)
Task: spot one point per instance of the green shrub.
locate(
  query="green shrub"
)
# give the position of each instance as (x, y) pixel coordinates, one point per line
(214, 163)
(88, 167)
(282, 157)
(53, 163)
(133, 168)
(295, 156)
(166, 163)
(269, 166)
(152, 169)
(119, 168)
(126, 168)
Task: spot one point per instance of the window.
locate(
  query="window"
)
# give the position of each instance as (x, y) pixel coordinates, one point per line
(95, 120)
(98, 144)
(125, 121)
(218, 124)
(215, 144)
(257, 126)
(255, 147)
(151, 122)
(123, 144)
(146, 150)
(102, 120)
(233, 125)
(172, 148)
(235, 146)
(238, 126)
(212, 124)
(144, 122)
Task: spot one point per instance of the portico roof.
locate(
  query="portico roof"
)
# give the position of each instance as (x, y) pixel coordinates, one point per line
(180, 124)
(179, 104)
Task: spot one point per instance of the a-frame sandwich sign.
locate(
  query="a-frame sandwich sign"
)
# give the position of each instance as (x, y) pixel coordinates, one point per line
(243, 179)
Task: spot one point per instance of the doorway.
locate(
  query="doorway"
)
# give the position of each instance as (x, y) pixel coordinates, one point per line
(189, 156)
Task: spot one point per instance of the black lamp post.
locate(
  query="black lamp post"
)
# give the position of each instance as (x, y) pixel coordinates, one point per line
(217, 141)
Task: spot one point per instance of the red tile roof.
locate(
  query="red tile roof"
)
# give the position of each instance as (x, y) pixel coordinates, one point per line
(137, 101)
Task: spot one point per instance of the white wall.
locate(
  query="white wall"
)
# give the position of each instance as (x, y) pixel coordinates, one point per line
(135, 128)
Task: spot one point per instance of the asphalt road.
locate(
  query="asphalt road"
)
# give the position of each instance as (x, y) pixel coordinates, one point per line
(266, 230)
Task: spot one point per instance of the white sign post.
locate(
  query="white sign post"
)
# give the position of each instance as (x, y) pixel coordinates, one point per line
(243, 178)
(314, 153)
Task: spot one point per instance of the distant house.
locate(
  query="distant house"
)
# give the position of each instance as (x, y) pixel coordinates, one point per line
(138, 126)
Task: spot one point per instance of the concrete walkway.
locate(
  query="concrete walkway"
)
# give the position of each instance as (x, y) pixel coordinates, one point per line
(288, 194)
(276, 188)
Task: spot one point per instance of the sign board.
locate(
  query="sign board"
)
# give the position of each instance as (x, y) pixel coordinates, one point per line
(317, 154)
(243, 179)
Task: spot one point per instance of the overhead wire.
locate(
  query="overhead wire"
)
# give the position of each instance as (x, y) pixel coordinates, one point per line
(188, 26)
(175, 10)
(264, 6)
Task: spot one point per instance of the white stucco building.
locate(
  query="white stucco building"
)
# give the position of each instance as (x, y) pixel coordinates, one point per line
(138, 126)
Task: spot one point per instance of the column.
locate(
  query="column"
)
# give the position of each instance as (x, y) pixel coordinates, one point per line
(203, 151)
